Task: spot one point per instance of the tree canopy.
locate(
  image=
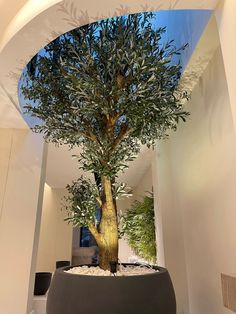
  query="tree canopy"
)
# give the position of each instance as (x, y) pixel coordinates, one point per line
(109, 86)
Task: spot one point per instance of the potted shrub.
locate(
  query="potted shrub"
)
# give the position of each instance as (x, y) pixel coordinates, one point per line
(108, 88)
(138, 228)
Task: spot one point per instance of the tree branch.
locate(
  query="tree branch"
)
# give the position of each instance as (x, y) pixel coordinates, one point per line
(95, 233)
(123, 133)
(98, 199)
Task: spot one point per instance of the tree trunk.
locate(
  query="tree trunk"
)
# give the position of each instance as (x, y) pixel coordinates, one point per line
(108, 253)
(108, 245)
(107, 235)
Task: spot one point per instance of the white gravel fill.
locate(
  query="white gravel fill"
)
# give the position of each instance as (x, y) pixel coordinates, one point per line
(122, 271)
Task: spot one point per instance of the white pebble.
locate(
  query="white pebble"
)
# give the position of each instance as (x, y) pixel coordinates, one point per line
(122, 271)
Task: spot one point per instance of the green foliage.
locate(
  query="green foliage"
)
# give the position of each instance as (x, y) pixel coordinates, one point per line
(138, 227)
(108, 87)
(85, 197)
(81, 203)
(120, 190)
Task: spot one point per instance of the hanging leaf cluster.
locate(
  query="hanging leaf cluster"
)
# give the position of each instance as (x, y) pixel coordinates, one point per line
(82, 201)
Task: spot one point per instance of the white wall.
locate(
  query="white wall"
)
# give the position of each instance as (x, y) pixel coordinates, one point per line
(197, 172)
(168, 217)
(55, 241)
(144, 186)
(125, 251)
(21, 174)
(225, 16)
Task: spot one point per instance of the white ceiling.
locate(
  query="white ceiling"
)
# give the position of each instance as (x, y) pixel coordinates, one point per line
(8, 11)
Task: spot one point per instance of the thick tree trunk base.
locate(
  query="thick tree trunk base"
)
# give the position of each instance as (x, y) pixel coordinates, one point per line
(106, 256)
(107, 235)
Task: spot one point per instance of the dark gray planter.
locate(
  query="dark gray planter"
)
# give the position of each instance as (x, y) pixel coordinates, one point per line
(81, 294)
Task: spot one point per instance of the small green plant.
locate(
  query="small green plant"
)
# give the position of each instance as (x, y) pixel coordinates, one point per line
(138, 227)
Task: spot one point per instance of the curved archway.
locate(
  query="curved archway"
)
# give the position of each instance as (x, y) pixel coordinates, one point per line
(35, 25)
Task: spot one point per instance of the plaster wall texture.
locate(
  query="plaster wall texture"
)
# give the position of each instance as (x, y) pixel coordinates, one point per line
(144, 185)
(169, 220)
(157, 210)
(225, 16)
(125, 251)
(197, 178)
(55, 240)
(21, 169)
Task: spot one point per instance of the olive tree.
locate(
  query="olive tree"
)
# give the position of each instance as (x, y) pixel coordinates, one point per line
(108, 87)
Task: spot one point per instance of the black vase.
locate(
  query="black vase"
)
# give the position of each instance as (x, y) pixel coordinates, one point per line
(42, 283)
(150, 294)
(60, 264)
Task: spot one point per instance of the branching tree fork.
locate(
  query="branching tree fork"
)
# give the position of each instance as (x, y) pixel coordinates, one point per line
(108, 87)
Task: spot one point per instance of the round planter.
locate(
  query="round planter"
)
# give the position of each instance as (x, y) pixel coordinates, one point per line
(42, 283)
(60, 264)
(149, 294)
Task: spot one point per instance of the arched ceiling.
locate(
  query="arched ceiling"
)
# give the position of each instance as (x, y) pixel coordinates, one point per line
(8, 12)
(26, 26)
